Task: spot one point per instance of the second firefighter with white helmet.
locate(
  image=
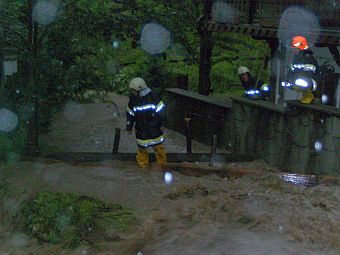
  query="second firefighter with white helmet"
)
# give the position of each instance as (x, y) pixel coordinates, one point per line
(254, 89)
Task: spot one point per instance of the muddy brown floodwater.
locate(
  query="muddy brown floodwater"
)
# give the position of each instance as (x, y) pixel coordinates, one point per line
(194, 215)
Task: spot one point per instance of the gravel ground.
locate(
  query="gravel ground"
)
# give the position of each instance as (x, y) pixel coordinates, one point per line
(90, 128)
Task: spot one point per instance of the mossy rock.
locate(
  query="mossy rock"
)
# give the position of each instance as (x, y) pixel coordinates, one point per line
(71, 219)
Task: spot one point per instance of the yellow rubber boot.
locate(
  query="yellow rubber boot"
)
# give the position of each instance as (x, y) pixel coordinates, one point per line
(142, 157)
(160, 154)
(307, 97)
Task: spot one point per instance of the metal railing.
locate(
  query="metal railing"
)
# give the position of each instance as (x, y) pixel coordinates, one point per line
(268, 13)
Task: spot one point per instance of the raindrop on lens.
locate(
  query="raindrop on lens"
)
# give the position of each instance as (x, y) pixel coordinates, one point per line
(168, 178)
(281, 229)
(115, 44)
(222, 13)
(155, 38)
(324, 99)
(44, 12)
(298, 21)
(318, 146)
(74, 111)
(8, 120)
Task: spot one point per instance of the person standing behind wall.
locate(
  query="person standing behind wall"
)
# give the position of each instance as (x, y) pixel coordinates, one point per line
(254, 89)
(303, 73)
(146, 113)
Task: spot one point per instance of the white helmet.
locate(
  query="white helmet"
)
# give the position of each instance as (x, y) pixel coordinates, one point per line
(137, 84)
(242, 70)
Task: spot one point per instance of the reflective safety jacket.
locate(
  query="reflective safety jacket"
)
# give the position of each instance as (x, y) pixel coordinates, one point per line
(304, 66)
(251, 84)
(146, 112)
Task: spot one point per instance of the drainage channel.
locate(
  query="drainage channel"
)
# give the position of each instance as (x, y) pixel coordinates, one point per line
(172, 157)
(191, 169)
(191, 165)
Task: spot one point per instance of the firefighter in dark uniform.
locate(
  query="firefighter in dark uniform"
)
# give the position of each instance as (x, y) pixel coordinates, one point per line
(146, 112)
(303, 71)
(254, 89)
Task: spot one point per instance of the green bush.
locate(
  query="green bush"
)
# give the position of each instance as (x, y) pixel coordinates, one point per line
(70, 219)
(122, 79)
(12, 143)
(6, 146)
(223, 75)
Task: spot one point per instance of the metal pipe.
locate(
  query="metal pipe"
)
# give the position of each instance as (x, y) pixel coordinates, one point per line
(188, 134)
(277, 87)
(213, 149)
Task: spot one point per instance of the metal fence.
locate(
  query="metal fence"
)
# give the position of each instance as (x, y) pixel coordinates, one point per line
(268, 13)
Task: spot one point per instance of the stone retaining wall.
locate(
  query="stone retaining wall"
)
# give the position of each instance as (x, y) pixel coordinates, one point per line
(282, 136)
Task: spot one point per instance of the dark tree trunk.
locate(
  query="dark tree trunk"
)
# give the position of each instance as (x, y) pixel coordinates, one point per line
(205, 50)
(33, 128)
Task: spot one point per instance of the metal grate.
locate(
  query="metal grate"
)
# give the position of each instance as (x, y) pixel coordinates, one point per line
(268, 12)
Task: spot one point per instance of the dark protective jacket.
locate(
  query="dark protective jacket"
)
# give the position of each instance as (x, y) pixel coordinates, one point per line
(250, 84)
(304, 65)
(146, 112)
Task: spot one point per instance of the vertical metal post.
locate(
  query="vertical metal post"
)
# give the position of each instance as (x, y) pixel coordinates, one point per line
(277, 85)
(116, 141)
(188, 134)
(213, 149)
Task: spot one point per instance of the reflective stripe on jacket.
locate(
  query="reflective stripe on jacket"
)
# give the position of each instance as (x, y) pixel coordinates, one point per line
(147, 114)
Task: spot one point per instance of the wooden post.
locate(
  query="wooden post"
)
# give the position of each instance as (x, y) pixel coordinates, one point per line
(273, 44)
(188, 134)
(251, 11)
(213, 149)
(183, 82)
(116, 141)
(205, 50)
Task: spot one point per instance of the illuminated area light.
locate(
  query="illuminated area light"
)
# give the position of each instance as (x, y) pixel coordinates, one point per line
(265, 88)
(301, 82)
(252, 92)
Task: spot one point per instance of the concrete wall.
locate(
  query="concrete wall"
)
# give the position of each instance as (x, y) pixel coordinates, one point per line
(208, 116)
(282, 136)
(286, 137)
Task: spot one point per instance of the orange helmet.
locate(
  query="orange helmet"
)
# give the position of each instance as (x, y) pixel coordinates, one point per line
(299, 42)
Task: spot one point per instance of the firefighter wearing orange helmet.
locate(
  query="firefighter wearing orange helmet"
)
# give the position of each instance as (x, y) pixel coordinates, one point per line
(303, 70)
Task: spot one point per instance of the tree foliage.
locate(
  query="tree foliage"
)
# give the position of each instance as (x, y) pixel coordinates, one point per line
(74, 52)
